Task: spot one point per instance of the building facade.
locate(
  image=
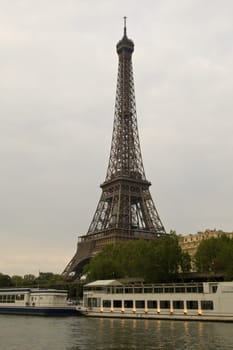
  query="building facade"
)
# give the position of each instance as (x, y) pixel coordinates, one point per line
(189, 243)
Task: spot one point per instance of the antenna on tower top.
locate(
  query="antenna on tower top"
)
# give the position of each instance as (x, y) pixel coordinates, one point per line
(125, 25)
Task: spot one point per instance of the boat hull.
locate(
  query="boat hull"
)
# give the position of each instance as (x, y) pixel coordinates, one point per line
(154, 316)
(39, 311)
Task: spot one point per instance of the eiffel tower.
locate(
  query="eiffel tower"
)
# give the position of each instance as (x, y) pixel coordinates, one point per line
(125, 210)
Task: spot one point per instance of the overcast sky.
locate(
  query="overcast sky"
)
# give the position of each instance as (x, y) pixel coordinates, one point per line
(58, 71)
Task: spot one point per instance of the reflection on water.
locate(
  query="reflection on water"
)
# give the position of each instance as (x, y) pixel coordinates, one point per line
(79, 333)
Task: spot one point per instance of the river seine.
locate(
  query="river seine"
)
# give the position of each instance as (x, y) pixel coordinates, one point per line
(80, 333)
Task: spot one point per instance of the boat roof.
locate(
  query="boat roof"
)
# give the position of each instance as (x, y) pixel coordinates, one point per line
(31, 290)
(102, 283)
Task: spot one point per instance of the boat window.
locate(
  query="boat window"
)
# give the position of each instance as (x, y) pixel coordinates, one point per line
(119, 290)
(140, 304)
(106, 303)
(93, 302)
(148, 290)
(191, 289)
(11, 298)
(169, 290)
(137, 290)
(200, 289)
(117, 303)
(128, 290)
(214, 289)
(165, 304)
(128, 304)
(178, 304)
(20, 297)
(152, 304)
(7, 298)
(180, 290)
(158, 290)
(207, 305)
(192, 304)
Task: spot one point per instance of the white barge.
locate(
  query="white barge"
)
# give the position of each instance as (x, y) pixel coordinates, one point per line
(29, 301)
(210, 301)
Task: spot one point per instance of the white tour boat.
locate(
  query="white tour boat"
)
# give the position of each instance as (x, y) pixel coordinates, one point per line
(184, 301)
(29, 301)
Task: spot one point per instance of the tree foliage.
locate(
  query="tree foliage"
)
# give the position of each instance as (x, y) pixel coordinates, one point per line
(215, 255)
(155, 261)
(44, 280)
(5, 280)
(185, 264)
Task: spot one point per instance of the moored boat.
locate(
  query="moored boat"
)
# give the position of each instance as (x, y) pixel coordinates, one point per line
(30, 301)
(212, 301)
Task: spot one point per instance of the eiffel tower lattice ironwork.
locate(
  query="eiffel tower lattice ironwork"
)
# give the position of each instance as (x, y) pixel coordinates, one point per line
(125, 210)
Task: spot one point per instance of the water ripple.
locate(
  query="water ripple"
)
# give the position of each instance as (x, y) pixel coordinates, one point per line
(79, 333)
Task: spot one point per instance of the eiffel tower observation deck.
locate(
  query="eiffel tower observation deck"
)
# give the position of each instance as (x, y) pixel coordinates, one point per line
(125, 210)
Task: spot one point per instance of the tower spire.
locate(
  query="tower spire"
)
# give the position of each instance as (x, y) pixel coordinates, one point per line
(126, 209)
(125, 33)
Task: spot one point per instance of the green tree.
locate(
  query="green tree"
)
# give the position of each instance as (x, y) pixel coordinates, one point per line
(29, 279)
(50, 280)
(106, 265)
(185, 263)
(215, 255)
(155, 260)
(165, 259)
(75, 290)
(17, 281)
(5, 280)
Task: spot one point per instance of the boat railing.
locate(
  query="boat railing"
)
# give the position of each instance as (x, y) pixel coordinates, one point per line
(153, 289)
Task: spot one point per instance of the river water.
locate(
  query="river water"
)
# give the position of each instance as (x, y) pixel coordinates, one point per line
(80, 333)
